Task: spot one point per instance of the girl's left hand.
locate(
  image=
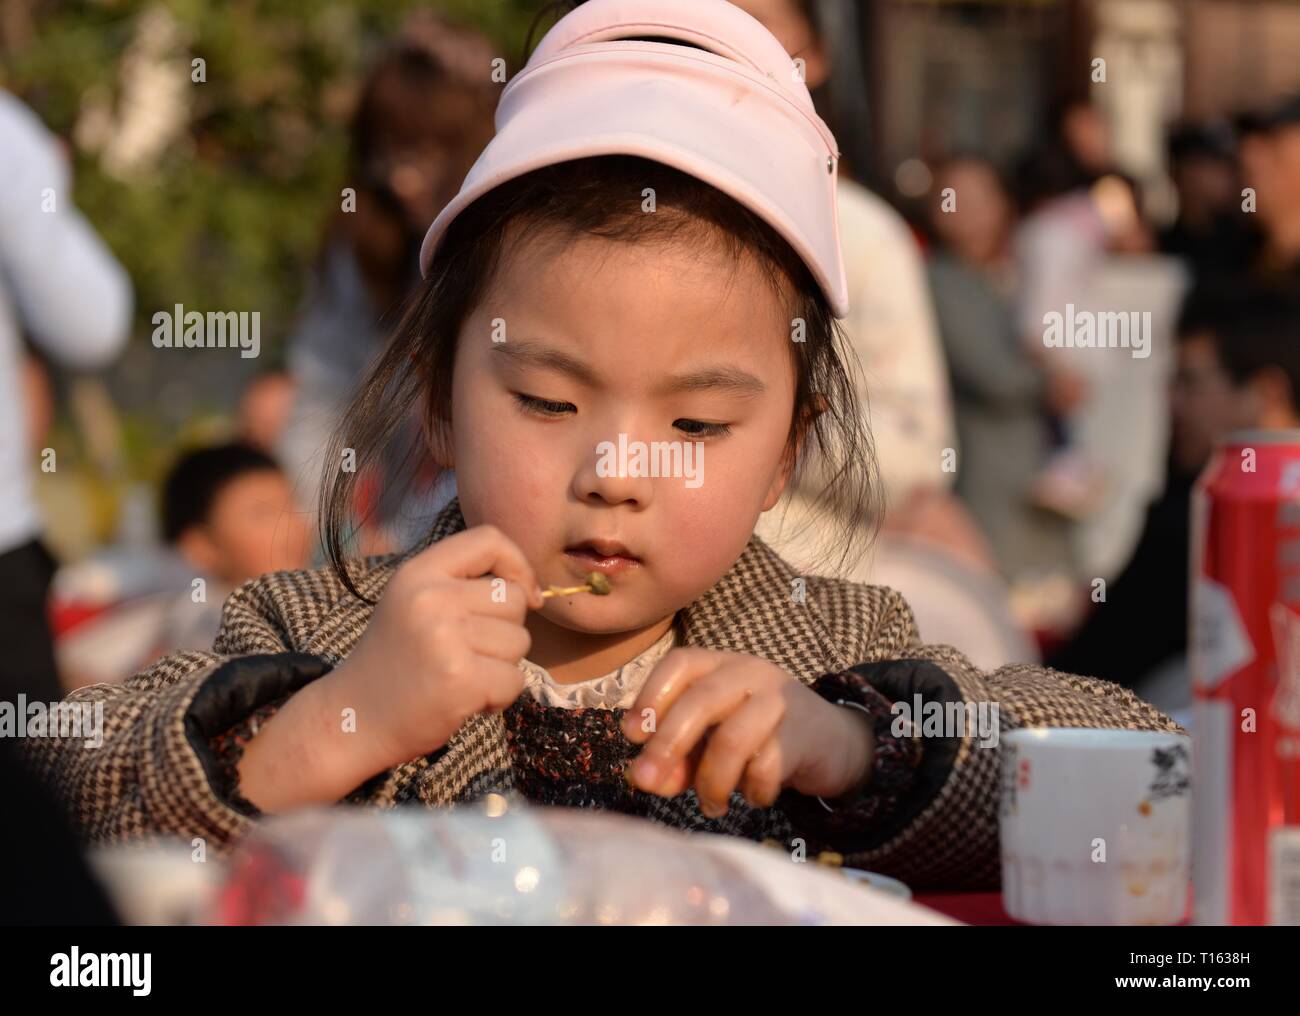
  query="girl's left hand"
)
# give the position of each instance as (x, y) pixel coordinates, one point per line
(722, 721)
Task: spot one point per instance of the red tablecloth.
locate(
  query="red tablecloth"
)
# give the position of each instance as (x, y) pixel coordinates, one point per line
(986, 908)
(973, 908)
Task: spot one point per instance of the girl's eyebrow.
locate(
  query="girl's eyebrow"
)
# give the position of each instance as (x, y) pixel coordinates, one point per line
(728, 379)
(531, 353)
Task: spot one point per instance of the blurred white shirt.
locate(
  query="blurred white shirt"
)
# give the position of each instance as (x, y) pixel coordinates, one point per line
(891, 326)
(58, 283)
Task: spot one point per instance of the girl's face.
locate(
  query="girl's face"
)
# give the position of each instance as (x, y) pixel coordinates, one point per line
(602, 341)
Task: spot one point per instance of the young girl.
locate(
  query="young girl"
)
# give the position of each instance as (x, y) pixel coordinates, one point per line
(645, 253)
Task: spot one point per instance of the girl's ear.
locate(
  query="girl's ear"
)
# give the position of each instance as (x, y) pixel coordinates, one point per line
(775, 491)
(791, 456)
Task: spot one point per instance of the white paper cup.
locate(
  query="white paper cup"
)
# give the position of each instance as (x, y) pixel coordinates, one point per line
(1096, 825)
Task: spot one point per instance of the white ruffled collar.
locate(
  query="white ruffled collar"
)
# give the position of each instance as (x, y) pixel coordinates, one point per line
(616, 690)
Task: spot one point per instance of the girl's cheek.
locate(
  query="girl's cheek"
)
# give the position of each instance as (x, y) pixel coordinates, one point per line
(708, 532)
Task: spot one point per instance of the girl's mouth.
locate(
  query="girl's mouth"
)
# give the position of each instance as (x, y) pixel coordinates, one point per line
(607, 558)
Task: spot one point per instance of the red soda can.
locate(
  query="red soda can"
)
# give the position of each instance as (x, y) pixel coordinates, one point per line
(1244, 656)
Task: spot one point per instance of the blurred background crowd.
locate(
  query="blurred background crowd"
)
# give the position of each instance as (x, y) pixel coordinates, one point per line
(1003, 161)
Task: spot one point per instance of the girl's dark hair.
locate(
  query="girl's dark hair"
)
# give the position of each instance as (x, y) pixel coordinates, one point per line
(601, 196)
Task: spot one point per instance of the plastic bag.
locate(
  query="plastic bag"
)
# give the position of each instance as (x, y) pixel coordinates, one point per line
(500, 861)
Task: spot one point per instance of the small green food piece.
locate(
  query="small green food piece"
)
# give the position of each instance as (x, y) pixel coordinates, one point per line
(599, 584)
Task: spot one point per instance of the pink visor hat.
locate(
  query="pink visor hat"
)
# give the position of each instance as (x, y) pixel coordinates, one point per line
(738, 117)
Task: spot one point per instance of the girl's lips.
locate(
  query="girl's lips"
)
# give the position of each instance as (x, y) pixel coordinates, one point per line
(588, 560)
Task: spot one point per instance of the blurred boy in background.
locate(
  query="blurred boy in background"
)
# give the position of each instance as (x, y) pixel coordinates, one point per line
(229, 512)
(228, 515)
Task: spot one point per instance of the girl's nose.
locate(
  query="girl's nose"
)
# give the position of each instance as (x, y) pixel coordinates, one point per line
(613, 474)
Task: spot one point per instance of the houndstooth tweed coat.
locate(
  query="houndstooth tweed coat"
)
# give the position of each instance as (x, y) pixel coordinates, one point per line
(155, 774)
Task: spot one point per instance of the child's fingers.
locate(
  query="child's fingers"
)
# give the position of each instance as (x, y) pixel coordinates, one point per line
(496, 597)
(765, 775)
(502, 682)
(677, 782)
(474, 552)
(706, 703)
(497, 638)
(679, 779)
(668, 680)
(731, 746)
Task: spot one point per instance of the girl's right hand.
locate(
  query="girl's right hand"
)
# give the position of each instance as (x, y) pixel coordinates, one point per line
(442, 645)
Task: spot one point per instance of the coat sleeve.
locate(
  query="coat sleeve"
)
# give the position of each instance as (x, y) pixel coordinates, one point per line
(151, 771)
(938, 824)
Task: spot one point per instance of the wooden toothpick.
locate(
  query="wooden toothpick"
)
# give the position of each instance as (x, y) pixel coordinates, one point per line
(596, 583)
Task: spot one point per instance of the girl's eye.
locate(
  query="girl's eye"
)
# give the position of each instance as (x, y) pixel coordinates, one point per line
(543, 407)
(698, 428)
(551, 409)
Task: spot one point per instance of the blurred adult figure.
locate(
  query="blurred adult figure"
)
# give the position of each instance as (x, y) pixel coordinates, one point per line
(1209, 233)
(929, 547)
(1270, 157)
(264, 409)
(1238, 367)
(998, 389)
(1075, 211)
(424, 115)
(1085, 248)
(62, 287)
(1081, 131)
(890, 327)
